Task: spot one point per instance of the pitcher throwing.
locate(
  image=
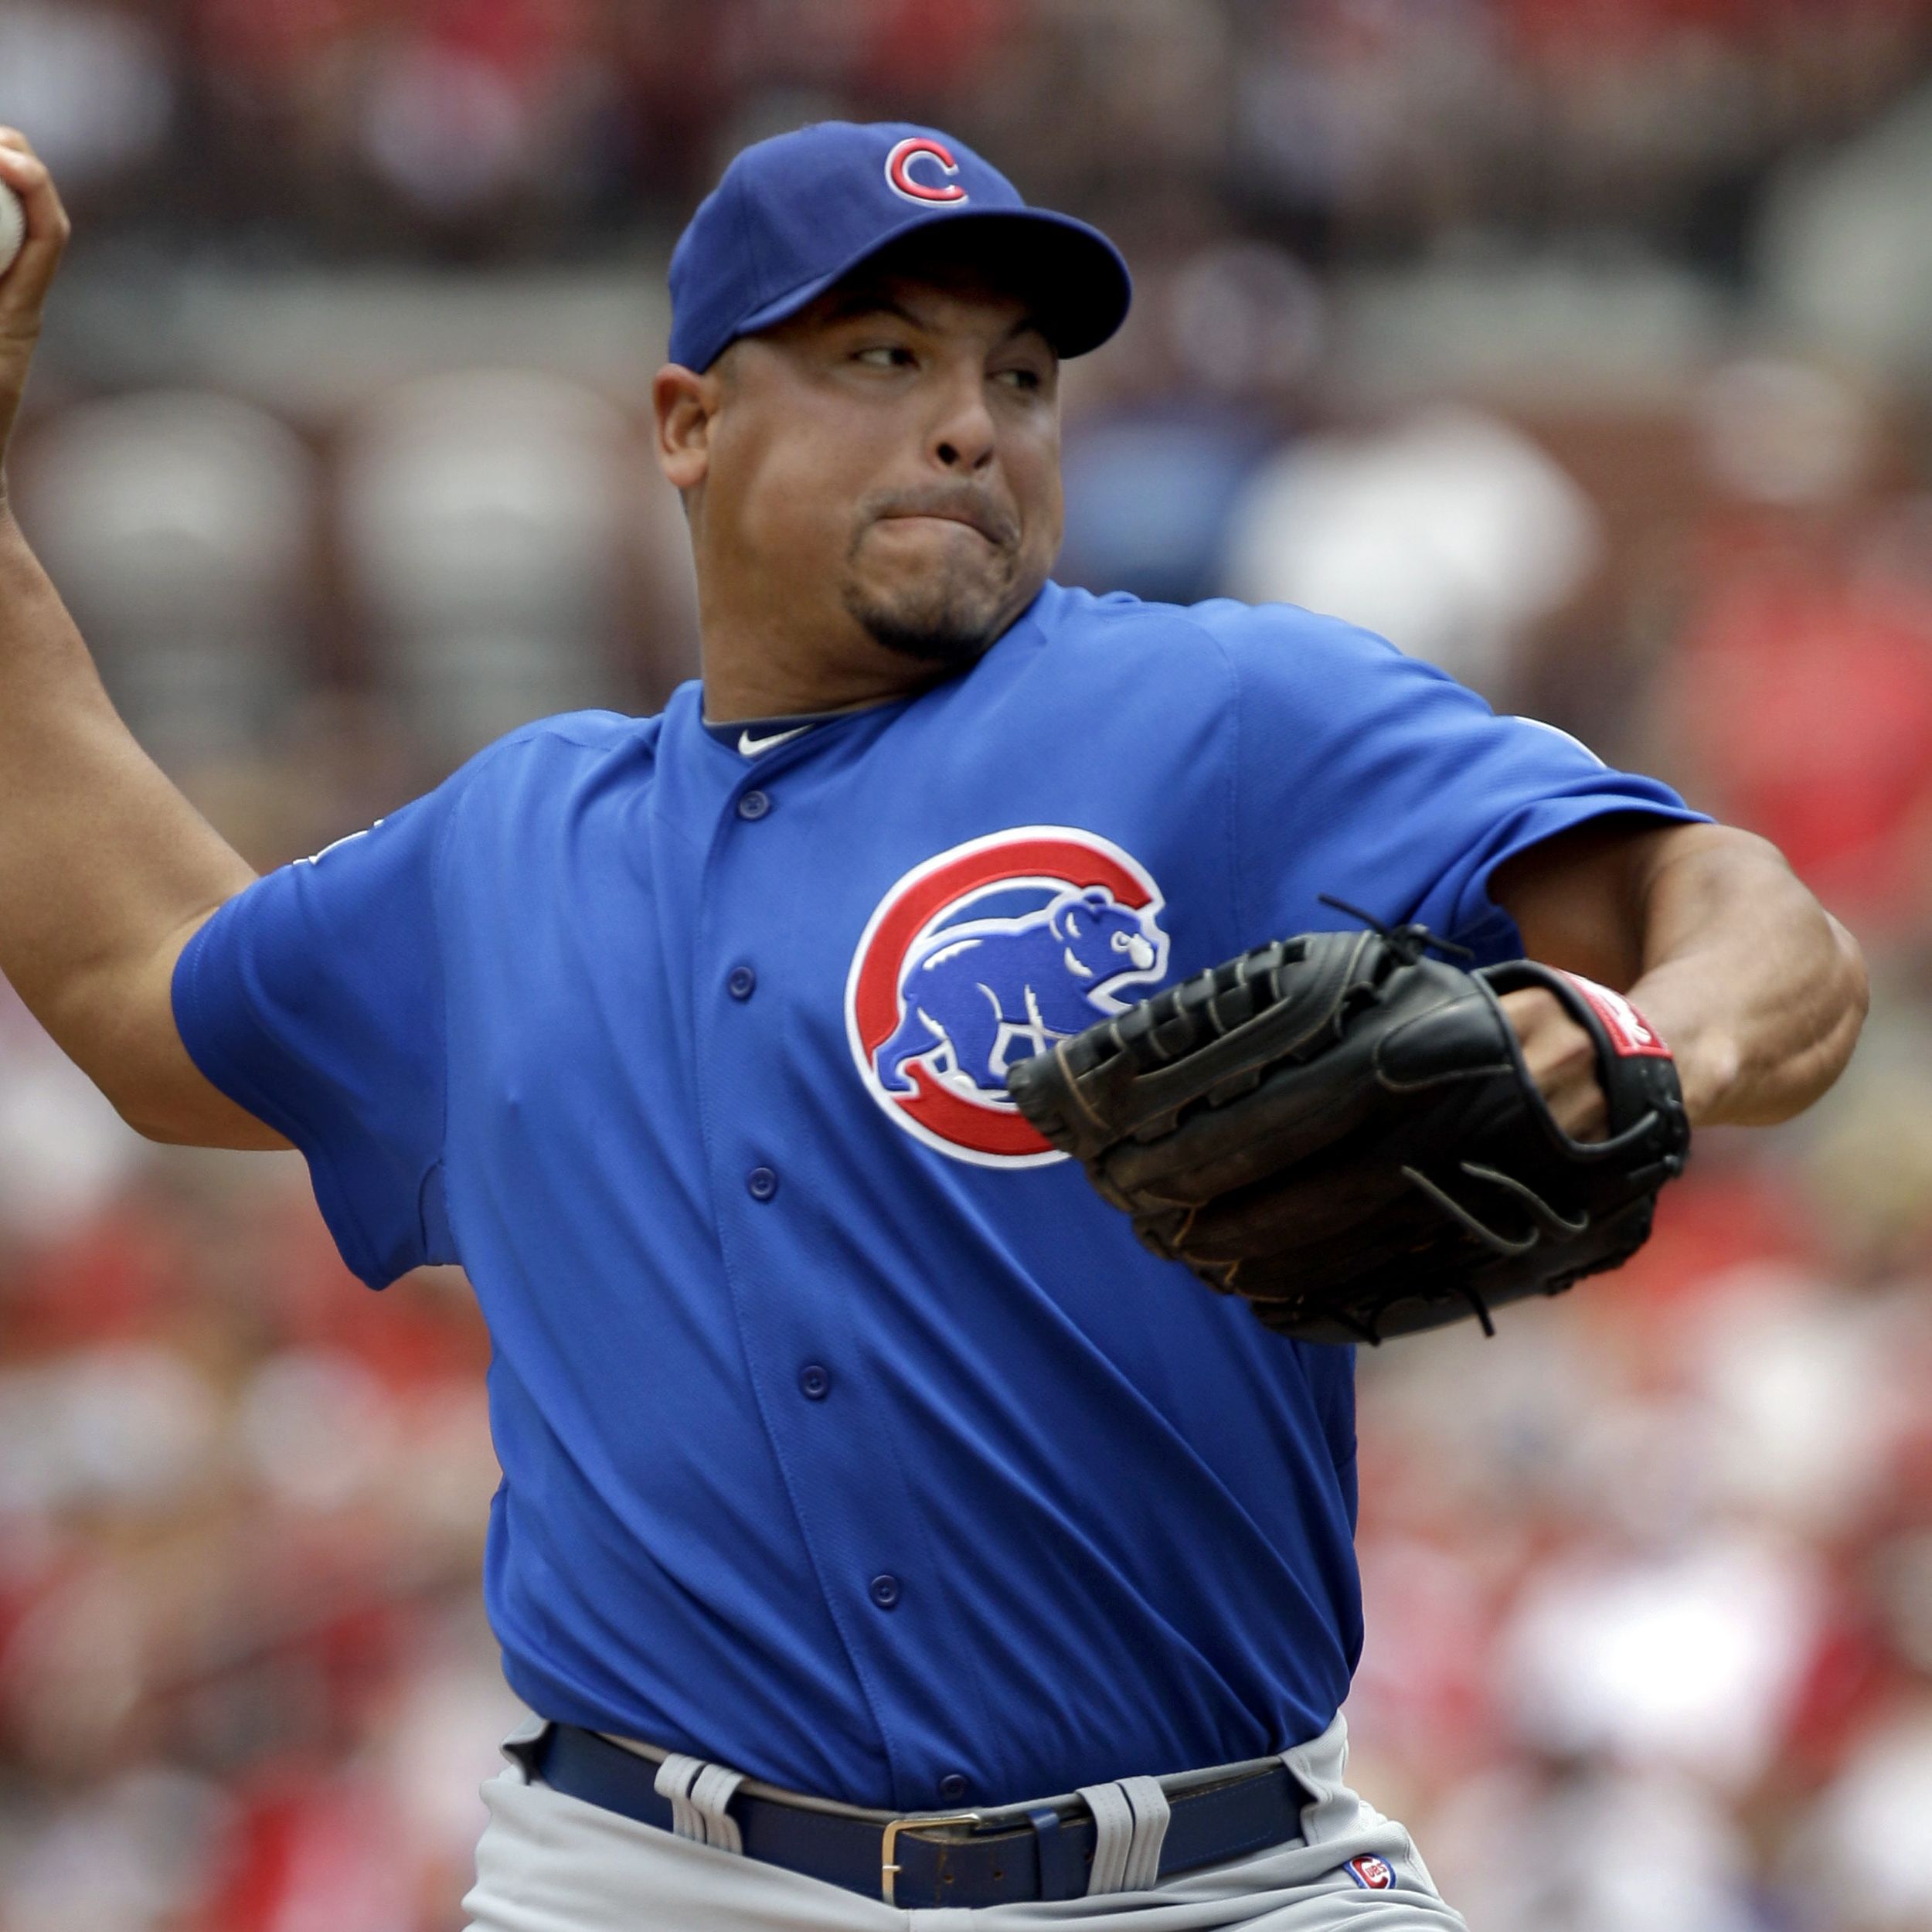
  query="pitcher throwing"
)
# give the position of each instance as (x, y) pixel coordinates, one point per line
(887, 1535)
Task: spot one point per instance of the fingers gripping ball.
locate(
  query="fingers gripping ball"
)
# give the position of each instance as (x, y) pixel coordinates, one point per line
(1341, 1129)
(13, 228)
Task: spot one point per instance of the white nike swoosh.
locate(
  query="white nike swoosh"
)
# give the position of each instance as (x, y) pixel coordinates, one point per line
(751, 746)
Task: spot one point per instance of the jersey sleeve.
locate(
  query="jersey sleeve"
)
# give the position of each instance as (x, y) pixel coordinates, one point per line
(1370, 775)
(314, 1000)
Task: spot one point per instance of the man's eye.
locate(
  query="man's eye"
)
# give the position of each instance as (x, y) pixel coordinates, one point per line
(885, 356)
(1026, 380)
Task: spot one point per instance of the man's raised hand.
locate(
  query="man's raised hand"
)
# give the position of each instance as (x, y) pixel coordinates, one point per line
(23, 288)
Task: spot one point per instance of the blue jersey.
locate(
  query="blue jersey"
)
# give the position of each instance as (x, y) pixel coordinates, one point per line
(848, 1437)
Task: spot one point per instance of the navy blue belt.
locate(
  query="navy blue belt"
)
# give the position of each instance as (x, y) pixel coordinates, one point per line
(1037, 1853)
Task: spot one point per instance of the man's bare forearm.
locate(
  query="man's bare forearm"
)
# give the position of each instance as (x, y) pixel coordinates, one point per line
(103, 863)
(106, 870)
(1761, 992)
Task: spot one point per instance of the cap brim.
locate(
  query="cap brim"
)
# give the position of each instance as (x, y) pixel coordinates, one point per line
(1075, 278)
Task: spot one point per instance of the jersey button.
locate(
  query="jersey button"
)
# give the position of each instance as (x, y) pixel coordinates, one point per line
(884, 1591)
(763, 1182)
(754, 805)
(741, 983)
(953, 1787)
(815, 1382)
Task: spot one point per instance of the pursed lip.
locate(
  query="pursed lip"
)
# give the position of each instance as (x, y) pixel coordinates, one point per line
(983, 523)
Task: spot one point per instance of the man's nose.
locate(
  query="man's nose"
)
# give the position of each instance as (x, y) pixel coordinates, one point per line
(964, 436)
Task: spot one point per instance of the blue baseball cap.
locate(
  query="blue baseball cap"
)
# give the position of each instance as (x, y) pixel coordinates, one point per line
(795, 213)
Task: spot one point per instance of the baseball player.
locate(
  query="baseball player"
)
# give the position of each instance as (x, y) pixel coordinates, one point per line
(887, 1535)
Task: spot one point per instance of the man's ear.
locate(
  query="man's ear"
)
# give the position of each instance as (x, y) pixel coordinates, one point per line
(685, 402)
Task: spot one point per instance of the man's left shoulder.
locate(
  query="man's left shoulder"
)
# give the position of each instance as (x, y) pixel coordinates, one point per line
(1115, 621)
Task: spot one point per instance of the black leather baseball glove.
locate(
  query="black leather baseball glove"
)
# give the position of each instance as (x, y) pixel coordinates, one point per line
(1340, 1128)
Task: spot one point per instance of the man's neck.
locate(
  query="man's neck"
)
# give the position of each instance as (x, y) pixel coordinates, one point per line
(759, 698)
(750, 674)
(759, 665)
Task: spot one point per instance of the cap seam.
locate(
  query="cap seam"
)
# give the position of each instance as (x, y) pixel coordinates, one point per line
(913, 219)
(751, 252)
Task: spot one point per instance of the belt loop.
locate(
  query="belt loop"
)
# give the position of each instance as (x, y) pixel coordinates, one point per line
(1130, 1825)
(1113, 1837)
(1150, 1814)
(709, 1796)
(527, 1746)
(1061, 1871)
(699, 1792)
(676, 1777)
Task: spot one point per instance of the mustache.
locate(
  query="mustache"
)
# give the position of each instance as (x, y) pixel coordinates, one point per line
(973, 508)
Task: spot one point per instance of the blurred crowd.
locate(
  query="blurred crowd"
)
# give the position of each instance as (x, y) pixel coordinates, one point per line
(1582, 346)
(504, 128)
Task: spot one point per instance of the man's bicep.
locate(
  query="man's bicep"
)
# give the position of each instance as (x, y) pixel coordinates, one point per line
(1578, 897)
(158, 1088)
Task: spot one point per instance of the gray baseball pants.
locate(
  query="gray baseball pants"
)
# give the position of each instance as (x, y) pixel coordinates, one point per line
(550, 1863)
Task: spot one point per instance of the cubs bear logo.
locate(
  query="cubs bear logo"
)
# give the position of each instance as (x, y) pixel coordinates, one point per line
(986, 955)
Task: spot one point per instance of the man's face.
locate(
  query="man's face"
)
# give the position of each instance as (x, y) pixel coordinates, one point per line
(890, 457)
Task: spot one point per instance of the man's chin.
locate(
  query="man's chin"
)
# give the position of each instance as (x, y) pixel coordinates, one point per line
(942, 641)
(941, 625)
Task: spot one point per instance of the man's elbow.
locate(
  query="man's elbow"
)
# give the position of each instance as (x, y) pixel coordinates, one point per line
(1827, 1005)
(1772, 989)
(1842, 986)
(1853, 993)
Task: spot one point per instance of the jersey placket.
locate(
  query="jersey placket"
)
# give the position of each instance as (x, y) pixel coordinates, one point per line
(823, 1413)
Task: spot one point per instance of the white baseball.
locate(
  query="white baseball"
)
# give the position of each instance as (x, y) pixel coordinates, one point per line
(13, 227)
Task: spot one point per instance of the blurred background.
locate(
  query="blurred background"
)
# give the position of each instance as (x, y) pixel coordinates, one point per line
(1584, 346)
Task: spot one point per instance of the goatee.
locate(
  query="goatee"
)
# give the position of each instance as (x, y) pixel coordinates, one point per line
(940, 622)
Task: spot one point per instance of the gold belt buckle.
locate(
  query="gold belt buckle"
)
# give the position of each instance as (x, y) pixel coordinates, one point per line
(888, 1871)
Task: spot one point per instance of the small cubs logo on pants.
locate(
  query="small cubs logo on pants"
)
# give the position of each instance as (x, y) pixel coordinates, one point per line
(1372, 1872)
(986, 955)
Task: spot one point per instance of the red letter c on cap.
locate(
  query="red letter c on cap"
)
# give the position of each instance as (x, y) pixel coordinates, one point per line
(898, 174)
